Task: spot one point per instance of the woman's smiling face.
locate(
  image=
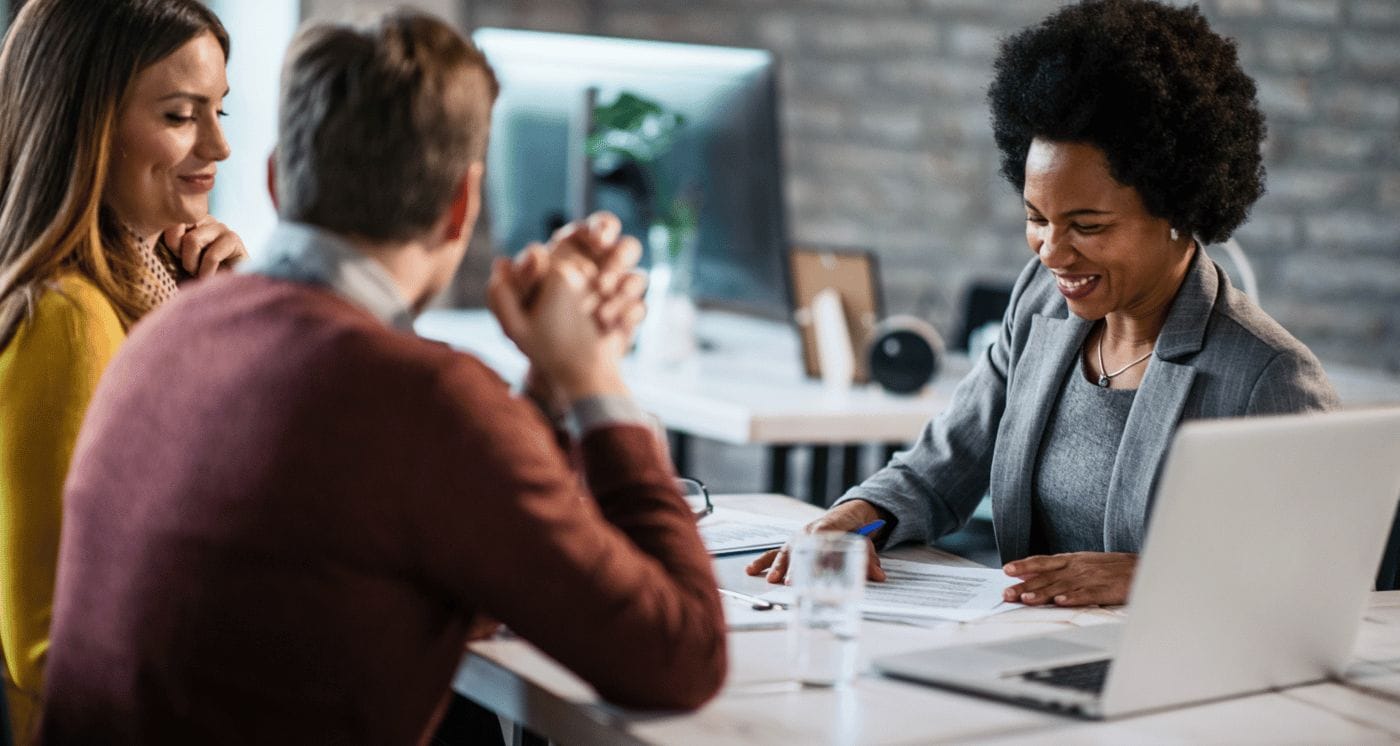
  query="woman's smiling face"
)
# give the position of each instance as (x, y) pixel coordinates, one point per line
(1107, 252)
(168, 139)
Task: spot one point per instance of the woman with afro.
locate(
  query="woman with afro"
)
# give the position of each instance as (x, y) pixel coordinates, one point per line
(1133, 138)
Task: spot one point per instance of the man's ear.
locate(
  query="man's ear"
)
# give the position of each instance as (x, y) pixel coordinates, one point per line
(466, 203)
(272, 179)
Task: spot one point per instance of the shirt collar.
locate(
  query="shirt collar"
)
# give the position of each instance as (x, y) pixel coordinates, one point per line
(297, 252)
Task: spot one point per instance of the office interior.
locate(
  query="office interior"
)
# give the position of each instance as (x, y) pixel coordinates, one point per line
(864, 127)
(861, 128)
(880, 143)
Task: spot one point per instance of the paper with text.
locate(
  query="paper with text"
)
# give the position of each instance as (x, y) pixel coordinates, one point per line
(727, 531)
(922, 590)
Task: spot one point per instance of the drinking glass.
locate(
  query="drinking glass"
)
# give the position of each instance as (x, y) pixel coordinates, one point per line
(828, 581)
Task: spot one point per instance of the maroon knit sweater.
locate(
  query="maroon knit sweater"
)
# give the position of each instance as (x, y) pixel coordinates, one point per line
(282, 518)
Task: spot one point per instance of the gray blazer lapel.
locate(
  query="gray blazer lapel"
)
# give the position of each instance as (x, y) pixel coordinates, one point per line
(1051, 349)
(1157, 407)
(1146, 436)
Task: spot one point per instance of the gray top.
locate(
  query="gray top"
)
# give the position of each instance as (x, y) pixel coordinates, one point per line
(306, 254)
(1071, 478)
(1218, 355)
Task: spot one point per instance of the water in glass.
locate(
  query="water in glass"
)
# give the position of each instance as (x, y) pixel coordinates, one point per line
(828, 578)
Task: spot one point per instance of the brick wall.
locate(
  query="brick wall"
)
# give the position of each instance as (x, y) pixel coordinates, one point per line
(888, 147)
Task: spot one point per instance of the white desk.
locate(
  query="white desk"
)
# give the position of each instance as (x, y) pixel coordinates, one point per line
(759, 706)
(748, 387)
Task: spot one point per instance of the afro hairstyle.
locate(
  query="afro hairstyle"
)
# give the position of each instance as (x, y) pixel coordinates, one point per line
(1153, 87)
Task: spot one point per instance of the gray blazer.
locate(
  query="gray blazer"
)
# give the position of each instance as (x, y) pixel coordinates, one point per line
(1218, 355)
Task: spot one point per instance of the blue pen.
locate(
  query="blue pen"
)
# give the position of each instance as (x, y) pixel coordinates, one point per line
(870, 527)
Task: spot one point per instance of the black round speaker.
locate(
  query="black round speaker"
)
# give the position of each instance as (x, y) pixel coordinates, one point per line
(904, 354)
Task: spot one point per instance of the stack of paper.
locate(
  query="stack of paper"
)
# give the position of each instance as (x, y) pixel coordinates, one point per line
(729, 531)
(918, 591)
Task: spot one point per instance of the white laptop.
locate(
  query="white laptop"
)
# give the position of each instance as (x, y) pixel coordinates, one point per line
(1262, 547)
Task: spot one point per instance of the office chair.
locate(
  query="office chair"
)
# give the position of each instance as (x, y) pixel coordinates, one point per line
(1388, 576)
(983, 303)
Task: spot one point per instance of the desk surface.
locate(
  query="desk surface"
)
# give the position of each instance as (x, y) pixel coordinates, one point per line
(748, 386)
(758, 704)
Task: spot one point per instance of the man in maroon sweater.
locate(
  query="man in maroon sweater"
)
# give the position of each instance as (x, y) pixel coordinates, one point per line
(286, 512)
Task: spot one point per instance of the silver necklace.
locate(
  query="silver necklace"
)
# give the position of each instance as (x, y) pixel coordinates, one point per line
(1104, 375)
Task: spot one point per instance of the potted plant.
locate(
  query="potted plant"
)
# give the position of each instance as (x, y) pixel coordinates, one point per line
(627, 149)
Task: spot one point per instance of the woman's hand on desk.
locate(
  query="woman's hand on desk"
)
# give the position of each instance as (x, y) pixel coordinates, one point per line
(846, 517)
(1075, 579)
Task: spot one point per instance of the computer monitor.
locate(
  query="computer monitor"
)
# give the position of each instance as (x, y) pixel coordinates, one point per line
(727, 151)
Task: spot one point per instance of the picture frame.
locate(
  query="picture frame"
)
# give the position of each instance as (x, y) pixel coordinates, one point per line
(854, 274)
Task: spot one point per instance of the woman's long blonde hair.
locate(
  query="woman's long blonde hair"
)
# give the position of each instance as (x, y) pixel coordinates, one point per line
(64, 69)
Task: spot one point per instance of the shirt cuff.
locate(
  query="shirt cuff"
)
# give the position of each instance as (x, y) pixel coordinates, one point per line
(593, 412)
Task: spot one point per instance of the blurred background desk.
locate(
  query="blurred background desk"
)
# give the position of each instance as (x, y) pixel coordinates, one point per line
(760, 705)
(746, 387)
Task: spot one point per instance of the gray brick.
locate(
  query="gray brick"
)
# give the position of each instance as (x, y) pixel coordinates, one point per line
(1297, 51)
(1284, 96)
(939, 78)
(806, 115)
(957, 127)
(1373, 13)
(777, 31)
(1336, 231)
(1239, 8)
(1360, 104)
(1267, 231)
(975, 41)
(891, 126)
(1309, 186)
(865, 6)
(1389, 192)
(1011, 14)
(571, 16)
(1309, 11)
(847, 158)
(825, 231)
(1375, 54)
(1335, 145)
(1249, 50)
(637, 24)
(853, 34)
(806, 76)
(713, 27)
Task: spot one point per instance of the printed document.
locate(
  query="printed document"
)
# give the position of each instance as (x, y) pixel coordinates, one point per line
(915, 591)
(727, 531)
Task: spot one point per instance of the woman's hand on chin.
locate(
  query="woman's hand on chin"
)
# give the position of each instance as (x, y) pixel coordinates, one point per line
(1075, 579)
(205, 247)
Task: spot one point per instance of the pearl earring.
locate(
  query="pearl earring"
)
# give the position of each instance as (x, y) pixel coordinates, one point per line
(1175, 235)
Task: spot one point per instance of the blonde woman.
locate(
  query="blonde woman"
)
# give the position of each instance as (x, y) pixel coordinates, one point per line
(109, 140)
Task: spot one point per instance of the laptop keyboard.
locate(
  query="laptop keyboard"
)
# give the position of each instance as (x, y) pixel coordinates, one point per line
(1084, 677)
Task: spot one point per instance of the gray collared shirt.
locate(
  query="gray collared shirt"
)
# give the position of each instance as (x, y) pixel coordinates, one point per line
(309, 255)
(302, 253)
